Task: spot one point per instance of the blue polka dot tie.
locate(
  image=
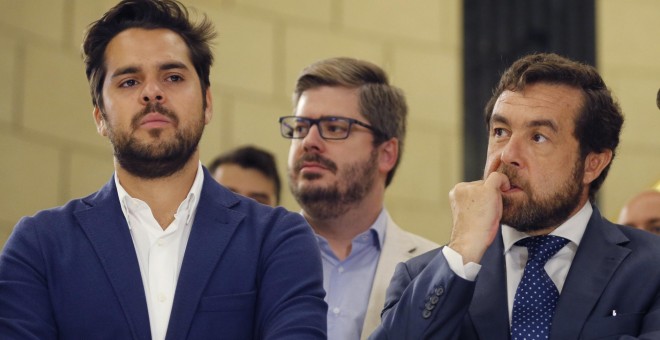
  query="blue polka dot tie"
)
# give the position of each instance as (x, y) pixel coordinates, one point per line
(536, 296)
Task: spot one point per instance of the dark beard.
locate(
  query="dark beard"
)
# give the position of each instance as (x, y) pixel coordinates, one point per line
(331, 202)
(538, 213)
(155, 161)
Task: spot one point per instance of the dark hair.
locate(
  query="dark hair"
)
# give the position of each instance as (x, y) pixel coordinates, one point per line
(251, 157)
(382, 104)
(146, 14)
(597, 125)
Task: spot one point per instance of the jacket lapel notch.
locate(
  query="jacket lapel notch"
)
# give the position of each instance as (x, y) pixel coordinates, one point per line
(105, 226)
(597, 259)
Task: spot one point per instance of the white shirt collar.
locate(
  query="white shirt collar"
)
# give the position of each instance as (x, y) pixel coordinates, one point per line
(188, 205)
(572, 229)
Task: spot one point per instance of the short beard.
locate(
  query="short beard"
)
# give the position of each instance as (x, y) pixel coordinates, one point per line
(539, 213)
(160, 160)
(354, 183)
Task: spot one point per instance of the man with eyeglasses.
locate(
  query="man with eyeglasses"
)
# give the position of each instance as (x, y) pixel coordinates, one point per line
(346, 142)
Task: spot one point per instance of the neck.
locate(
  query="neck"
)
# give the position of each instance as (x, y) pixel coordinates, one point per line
(340, 231)
(162, 195)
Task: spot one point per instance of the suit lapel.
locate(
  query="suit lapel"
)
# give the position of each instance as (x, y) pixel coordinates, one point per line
(598, 257)
(392, 253)
(107, 231)
(211, 232)
(488, 309)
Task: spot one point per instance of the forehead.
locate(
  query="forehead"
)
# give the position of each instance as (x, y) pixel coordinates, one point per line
(556, 102)
(143, 47)
(329, 101)
(646, 204)
(243, 179)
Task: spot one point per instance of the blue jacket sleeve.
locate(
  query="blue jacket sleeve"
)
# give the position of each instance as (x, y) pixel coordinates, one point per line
(290, 298)
(25, 307)
(425, 298)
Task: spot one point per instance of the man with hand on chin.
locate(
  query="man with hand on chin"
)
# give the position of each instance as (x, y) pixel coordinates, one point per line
(530, 256)
(162, 251)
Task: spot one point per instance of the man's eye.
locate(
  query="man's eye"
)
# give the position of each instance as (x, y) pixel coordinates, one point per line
(300, 129)
(128, 83)
(175, 78)
(499, 132)
(335, 127)
(539, 138)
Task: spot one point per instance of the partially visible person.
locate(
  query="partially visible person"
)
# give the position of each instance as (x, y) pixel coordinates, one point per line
(248, 171)
(162, 251)
(642, 212)
(530, 256)
(347, 138)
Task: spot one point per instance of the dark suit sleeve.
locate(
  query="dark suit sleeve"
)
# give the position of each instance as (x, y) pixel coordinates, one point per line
(425, 299)
(25, 308)
(290, 298)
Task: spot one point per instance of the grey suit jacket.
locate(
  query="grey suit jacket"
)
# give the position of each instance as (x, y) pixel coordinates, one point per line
(399, 246)
(616, 268)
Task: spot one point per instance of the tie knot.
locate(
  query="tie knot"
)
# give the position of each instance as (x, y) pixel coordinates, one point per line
(542, 248)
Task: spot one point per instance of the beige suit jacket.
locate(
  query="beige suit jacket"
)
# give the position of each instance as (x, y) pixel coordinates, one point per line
(399, 246)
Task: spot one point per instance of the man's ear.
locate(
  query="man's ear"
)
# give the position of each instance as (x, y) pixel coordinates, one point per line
(389, 153)
(99, 121)
(594, 164)
(208, 112)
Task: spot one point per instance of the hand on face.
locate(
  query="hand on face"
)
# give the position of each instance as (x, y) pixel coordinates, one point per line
(476, 212)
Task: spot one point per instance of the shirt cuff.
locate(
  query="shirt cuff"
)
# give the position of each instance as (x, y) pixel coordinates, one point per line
(468, 271)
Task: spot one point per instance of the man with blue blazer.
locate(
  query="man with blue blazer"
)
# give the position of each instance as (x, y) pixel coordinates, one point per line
(530, 256)
(161, 251)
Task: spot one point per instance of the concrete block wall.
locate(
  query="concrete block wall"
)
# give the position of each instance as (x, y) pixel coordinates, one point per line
(629, 59)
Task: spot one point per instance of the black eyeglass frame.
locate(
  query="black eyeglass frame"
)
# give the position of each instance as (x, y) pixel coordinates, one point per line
(317, 122)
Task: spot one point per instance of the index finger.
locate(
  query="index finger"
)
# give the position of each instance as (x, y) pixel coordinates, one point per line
(494, 165)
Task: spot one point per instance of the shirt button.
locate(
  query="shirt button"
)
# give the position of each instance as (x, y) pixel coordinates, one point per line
(335, 310)
(340, 269)
(162, 297)
(160, 242)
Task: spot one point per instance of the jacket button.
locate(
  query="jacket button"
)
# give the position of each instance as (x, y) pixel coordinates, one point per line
(429, 306)
(426, 314)
(434, 299)
(439, 291)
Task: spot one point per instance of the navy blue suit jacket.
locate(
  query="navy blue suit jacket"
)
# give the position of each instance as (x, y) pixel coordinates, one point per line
(249, 272)
(615, 268)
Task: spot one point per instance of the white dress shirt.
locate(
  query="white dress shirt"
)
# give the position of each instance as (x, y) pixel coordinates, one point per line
(516, 256)
(160, 251)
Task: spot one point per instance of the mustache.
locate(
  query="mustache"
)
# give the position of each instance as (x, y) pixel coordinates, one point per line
(315, 158)
(154, 107)
(512, 174)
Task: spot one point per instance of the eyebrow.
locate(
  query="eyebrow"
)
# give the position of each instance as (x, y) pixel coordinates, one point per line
(496, 118)
(125, 70)
(543, 122)
(135, 69)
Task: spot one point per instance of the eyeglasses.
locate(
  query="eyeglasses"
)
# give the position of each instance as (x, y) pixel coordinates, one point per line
(294, 127)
